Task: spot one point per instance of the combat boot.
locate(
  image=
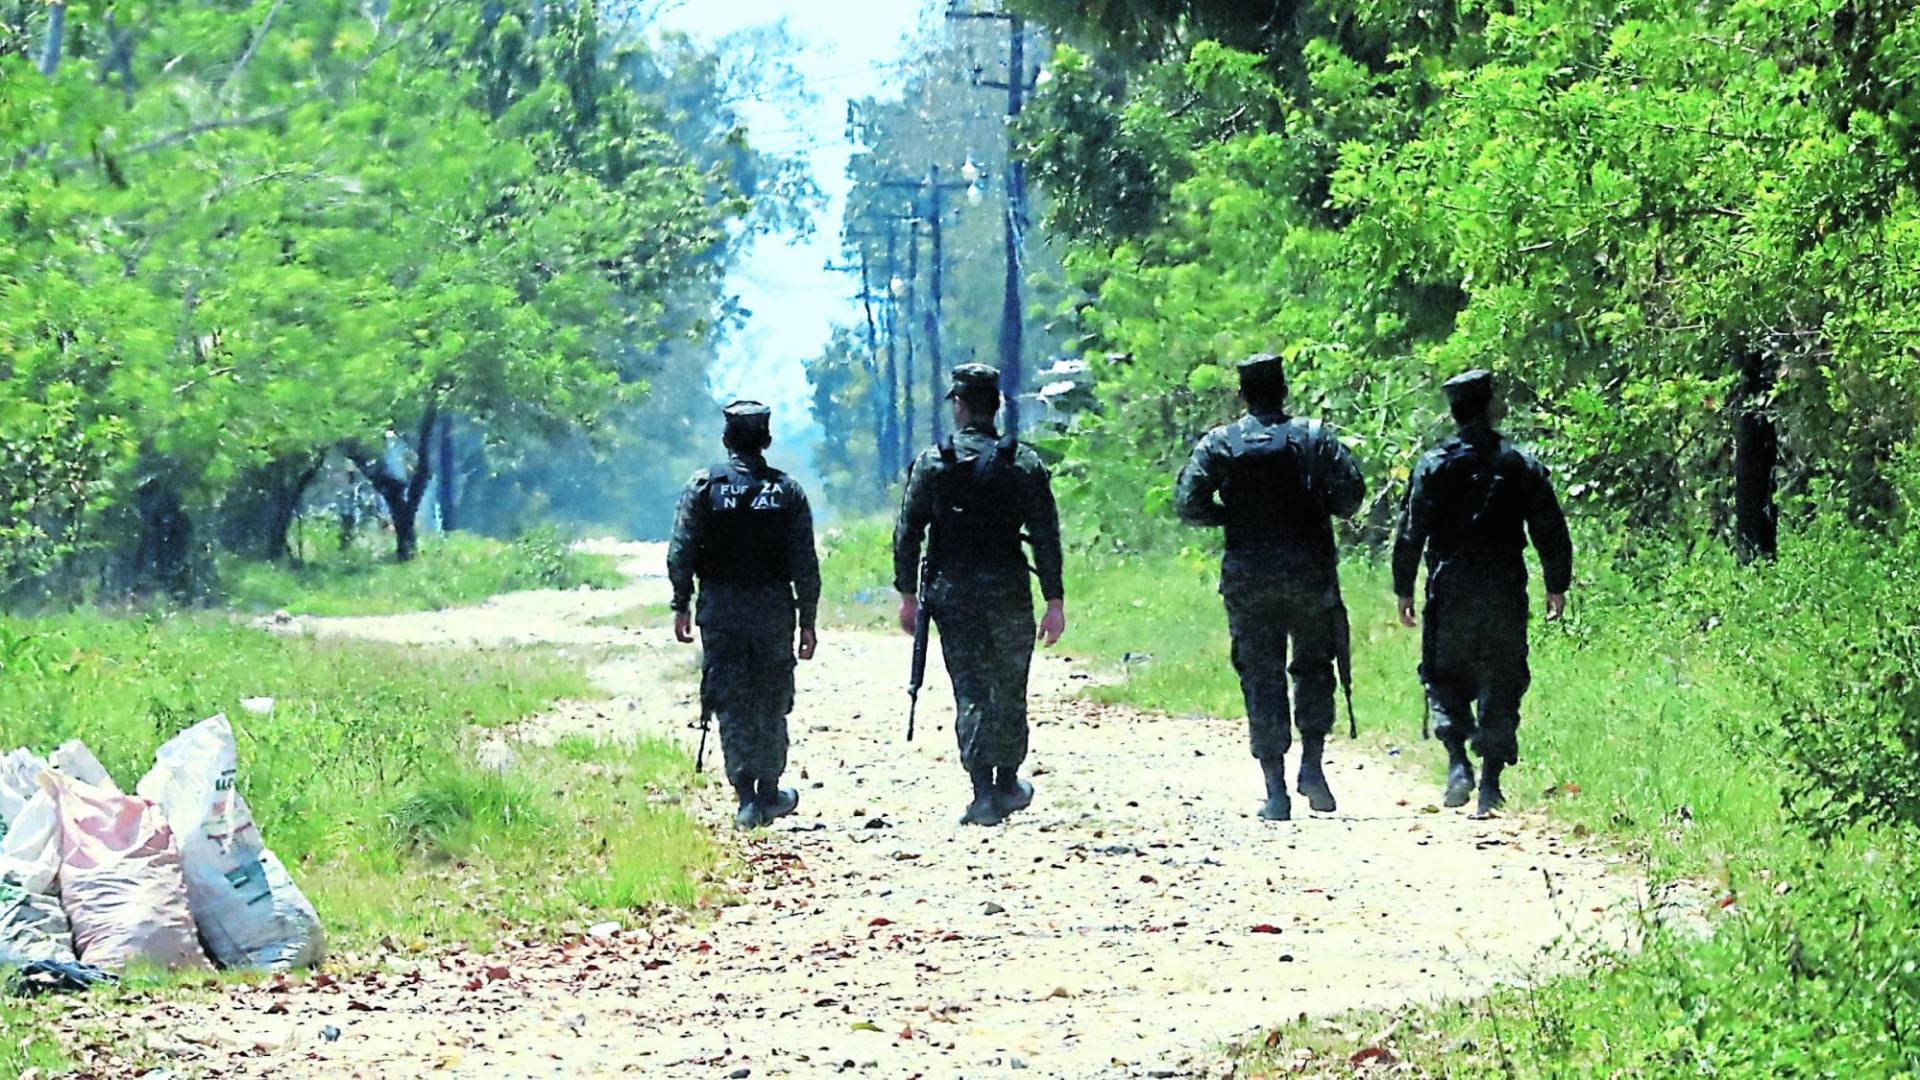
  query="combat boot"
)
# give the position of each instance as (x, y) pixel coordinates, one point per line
(1313, 779)
(751, 815)
(1459, 775)
(1278, 806)
(984, 809)
(775, 801)
(1491, 797)
(1011, 793)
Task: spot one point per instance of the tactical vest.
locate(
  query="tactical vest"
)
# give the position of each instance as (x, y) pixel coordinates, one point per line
(747, 526)
(1476, 498)
(976, 510)
(1268, 488)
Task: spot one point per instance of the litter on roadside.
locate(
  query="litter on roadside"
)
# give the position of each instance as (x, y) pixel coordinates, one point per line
(174, 876)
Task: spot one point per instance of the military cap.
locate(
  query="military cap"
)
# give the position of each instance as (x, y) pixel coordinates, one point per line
(748, 412)
(974, 377)
(1262, 366)
(1470, 390)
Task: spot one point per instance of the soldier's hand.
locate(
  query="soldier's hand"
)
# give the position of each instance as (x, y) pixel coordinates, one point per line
(1406, 612)
(1053, 623)
(683, 627)
(1556, 606)
(808, 643)
(909, 612)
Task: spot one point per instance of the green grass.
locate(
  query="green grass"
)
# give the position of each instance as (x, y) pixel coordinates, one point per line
(25, 1040)
(448, 571)
(1653, 723)
(364, 777)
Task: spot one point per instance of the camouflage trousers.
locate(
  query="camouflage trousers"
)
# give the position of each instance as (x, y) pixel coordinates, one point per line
(1474, 665)
(749, 685)
(988, 649)
(1264, 624)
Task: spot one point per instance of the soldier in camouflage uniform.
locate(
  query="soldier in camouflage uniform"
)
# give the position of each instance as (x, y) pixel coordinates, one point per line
(1471, 507)
(1275, 483)
(973, 499)
(744, 532)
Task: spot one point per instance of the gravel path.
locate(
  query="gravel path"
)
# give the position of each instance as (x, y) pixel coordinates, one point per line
(1135, 919)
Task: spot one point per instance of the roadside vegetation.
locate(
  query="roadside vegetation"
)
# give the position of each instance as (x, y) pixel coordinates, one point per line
(380, 775)
(450, 569)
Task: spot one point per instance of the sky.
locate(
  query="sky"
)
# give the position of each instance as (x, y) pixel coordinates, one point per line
(849, 49)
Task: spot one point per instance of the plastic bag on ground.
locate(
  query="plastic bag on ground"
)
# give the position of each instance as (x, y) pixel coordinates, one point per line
(18, 773)
(120, 879)
(33, 926)
(249, 911)
(72, 758)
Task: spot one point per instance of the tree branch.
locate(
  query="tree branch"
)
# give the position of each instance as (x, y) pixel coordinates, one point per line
(253, 48)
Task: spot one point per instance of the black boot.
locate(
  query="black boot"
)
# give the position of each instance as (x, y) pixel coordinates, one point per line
(776, 801)
(1459, 774)
(1313, 779)
(1278, 806)
(984, 809)
(1491, 797)
(1011, 793)
(752, 815)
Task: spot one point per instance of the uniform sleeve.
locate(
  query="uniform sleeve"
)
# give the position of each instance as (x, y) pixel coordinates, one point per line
(804, 559)
(1340, 481)
(1410, 538)
(1547, 528)
(910, 526)
(1043, 531)
(683, 548)
(1194, 492)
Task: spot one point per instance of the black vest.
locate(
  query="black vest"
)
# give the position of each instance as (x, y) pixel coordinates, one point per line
(748, 515)
(976, 510)
(1268, 489)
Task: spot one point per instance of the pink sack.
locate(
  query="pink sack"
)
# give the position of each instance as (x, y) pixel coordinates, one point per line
(120, 879)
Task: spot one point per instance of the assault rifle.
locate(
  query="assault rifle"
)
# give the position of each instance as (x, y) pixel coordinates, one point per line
(706, 721)
(922, 624)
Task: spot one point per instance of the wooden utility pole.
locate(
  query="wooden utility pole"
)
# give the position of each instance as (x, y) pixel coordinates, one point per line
(1012, 313)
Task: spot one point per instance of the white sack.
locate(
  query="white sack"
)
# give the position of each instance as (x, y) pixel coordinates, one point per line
(18, 783)
(75, 760)
(248, 909)
(32, 924)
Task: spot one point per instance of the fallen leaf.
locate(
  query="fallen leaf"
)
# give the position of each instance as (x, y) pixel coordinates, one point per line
(865, 1025)
(1266, 928)
(1372, 1055)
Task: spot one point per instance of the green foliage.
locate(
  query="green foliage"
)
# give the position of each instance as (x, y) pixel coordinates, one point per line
(450, 570)
(1617, 208)
(236, 239)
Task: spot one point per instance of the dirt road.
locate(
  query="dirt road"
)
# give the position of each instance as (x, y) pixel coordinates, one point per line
(1131, 922)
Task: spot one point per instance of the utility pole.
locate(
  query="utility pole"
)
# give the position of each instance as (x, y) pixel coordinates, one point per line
(934, 189)
(865, 296)
(1012, 315)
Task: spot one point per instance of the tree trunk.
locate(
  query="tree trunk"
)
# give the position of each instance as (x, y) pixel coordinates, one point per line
(56, 37)
(163, 559)
(283, 505)
(1756, 450)
(444, 490)
(404, 493)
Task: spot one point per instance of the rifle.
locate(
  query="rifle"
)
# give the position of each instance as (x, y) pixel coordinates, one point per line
(922, 624)
(706, 720)
(1343, 661)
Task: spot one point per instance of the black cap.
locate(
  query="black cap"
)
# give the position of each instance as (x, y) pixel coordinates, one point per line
(748, 412)
(969, 378)
(1262, 366)
(1470, 391)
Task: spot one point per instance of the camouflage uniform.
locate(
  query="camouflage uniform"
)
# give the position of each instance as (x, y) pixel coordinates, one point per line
(1472, 504)
(1274, 483)
(982, 495)
(744, 531)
